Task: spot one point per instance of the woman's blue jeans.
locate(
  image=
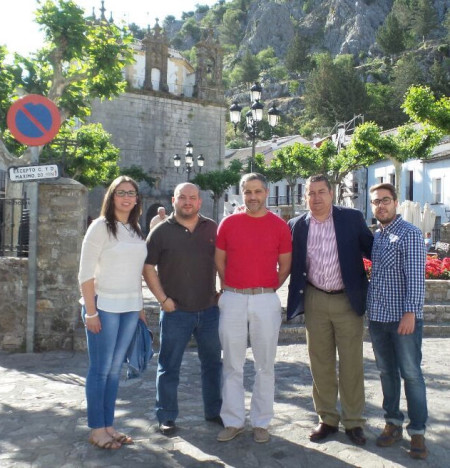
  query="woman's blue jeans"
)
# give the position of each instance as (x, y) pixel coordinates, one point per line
(400, 356)
(176, 329)
(107, 351)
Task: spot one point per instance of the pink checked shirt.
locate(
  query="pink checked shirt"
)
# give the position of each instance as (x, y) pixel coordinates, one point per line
(322, 262)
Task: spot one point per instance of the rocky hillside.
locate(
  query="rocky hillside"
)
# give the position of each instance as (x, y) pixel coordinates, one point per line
(273, 41)
(338, 26)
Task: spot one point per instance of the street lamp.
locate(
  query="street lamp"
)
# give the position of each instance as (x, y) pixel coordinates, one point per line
(254, 116)
(189, 160)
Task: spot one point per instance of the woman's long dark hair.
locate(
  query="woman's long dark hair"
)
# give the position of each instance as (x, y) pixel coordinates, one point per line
(108, 207)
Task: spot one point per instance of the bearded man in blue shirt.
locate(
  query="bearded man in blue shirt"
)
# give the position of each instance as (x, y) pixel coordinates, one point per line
(395, 312)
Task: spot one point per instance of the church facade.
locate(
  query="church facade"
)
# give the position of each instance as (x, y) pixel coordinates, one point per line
(168, 103)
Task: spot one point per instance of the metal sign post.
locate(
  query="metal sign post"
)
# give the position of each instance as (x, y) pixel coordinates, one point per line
(33, 191)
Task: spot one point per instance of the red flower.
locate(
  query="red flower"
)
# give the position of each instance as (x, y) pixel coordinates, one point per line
(367, 267)
(437, 269)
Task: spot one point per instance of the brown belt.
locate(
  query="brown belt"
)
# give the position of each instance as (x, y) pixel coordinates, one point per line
(250, 291)
(336, 291)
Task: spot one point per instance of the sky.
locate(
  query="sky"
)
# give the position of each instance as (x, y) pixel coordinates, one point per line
(19, 33)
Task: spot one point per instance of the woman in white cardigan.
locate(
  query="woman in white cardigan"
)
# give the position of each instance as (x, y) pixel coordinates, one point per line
(110, 276)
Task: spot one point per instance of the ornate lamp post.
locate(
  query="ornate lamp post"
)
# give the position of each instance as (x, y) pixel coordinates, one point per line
(189, 160)
(254, 116)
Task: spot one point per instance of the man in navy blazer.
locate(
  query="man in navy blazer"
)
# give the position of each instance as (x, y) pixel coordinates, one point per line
(328, 284)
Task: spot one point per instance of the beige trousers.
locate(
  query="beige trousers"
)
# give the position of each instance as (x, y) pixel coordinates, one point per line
(331, 324)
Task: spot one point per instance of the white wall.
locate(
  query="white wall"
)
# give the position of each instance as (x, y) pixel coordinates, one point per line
(423, 174)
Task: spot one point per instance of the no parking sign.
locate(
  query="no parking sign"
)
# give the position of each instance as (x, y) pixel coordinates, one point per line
(33, 120)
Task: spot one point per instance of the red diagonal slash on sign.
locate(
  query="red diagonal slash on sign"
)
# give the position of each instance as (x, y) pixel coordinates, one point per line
(33, 120)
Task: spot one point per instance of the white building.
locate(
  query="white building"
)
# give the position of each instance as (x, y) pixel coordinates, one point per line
(423, 181)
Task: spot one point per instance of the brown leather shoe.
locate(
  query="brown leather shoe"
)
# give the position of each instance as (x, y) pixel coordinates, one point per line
(322, 431)
(391, 434)
(356, 435)
(418, 449)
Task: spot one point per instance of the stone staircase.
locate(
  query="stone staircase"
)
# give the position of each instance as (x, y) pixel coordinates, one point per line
(437, 308)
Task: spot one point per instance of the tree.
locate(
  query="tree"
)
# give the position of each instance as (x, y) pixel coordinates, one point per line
(391, 35)
(136, 173)
(407, 72)
(259, 165)
(297, 58)
(384, 106)
(447, 25)
(6, 88)
(191, 29)
(334, 91)
(338, 163)
(407, 143)
(86, 155)
(249, 67)
(294, 162)
(440, 77)
(231, 30)
(80, 61)
(267, 59)
(424, 18)
(421, 106)
(137, 32)
(302, 161)
(218, 181)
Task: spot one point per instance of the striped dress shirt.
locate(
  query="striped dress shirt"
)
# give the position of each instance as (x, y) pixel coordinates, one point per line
(322, 261)
(397, 283)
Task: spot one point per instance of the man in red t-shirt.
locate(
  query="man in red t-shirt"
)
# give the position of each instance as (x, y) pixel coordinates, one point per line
(253, 259)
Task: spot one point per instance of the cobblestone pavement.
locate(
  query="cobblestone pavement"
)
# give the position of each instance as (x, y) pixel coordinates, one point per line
(43, 417)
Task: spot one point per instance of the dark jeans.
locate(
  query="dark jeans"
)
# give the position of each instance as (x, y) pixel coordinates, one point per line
(176, 330)
(400, 356)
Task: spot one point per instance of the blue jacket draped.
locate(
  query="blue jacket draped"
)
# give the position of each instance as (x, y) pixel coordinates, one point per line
(140, 350)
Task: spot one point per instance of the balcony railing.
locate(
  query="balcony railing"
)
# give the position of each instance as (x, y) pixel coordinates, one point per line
(283, 200)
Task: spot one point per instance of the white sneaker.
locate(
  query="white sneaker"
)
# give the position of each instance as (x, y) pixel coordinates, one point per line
(229, 433)
(261, 435)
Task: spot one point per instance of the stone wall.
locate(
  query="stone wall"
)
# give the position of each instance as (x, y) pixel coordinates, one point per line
(13, 303)
(61, 227)
(437, 292)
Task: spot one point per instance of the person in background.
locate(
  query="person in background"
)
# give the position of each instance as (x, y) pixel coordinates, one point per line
(253, 259)
(328, 283)
(428, 241)
(110, 276)
(159, 218)
(395, 312)
(180, 272)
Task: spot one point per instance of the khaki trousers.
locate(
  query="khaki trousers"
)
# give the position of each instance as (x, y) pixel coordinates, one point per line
(331, 324)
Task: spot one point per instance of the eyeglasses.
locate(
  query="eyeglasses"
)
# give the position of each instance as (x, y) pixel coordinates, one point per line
(123, 193)
(383, 201)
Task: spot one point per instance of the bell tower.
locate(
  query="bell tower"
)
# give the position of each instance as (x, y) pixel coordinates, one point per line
(208, 79)
(156, 48)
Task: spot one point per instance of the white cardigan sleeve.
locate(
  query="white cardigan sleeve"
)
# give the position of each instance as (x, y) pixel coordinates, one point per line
(93, 244)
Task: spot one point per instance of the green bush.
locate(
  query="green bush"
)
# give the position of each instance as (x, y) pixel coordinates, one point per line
(267, 58)
(293, 87)
(279, 72)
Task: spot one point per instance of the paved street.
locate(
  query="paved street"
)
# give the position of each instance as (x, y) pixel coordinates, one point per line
(43, 419)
